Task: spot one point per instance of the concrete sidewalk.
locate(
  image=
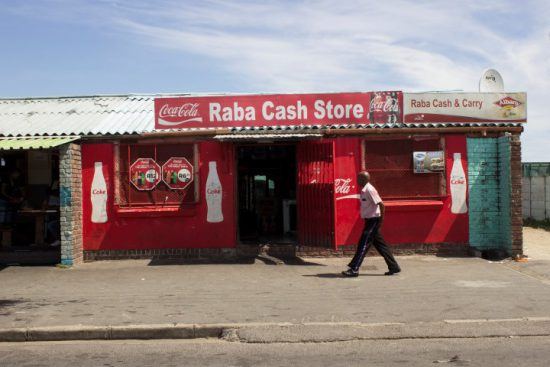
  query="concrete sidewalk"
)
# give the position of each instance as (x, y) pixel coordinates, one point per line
(430, 289)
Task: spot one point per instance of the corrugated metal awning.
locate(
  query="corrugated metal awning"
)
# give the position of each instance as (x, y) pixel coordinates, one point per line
(242, 137)
(27, 143)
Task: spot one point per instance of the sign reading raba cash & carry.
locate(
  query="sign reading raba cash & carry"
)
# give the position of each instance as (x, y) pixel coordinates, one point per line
(278, 109)
(464, 107)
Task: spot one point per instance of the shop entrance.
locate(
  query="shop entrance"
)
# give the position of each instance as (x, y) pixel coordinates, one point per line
(286, 193)
(267, 193)
(29, 207)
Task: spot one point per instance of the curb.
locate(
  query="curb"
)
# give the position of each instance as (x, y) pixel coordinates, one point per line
(288, 332)
(119, 332)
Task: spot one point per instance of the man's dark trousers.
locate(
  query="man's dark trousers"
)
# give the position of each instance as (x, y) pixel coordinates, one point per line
(371, 236)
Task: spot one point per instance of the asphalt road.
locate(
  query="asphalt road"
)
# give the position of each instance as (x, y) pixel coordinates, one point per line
(521, 351)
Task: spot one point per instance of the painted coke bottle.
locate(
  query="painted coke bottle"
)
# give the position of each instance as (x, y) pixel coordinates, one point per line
(99, 195)
(458, 186)
(213, 195)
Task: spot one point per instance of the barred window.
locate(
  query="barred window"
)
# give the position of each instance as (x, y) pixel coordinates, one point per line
(162, 195)
(390, 163)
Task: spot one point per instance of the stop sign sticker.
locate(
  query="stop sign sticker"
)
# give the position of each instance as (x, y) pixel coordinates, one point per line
(145, 174)
(177, 173)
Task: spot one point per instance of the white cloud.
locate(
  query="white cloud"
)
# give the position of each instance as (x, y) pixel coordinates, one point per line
(350, 45)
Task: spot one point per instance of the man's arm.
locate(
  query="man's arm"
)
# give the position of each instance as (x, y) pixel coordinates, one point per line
(382, 211)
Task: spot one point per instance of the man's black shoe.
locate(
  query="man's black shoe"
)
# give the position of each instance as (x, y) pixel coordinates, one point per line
(350, 273)
(391, 272)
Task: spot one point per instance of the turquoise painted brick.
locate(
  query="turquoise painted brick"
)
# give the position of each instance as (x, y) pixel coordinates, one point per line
(489, 191)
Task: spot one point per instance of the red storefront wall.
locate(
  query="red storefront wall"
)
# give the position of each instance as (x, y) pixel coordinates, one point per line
(411, 221)
(147, 229)
(407, 221)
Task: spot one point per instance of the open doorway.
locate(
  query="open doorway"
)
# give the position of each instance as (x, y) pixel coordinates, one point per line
(266, 185)
(29, 207)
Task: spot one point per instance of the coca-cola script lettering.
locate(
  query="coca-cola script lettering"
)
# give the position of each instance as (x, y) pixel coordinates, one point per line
(185, 112)
(389, 104)
(342, 185)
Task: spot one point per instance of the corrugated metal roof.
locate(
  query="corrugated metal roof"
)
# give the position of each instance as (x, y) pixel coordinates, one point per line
(134, 114)
(96, 115)
(35, 142)
(252, 129)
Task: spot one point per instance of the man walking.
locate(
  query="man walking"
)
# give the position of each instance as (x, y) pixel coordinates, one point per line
(372, 211)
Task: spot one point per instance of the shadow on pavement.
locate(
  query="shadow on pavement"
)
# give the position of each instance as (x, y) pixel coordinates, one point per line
(338, 275)
(270, 260)
(160, 262)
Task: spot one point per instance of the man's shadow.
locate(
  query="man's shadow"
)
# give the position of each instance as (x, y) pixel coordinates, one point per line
(338, 275)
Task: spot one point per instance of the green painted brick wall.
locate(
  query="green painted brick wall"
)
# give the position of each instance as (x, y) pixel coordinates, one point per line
(504, 157)
(489, 192)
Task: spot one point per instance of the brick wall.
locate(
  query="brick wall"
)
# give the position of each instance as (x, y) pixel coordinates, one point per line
(483, 191)
(515, 198)
(494, 184)
(70, 191)
(504, 178)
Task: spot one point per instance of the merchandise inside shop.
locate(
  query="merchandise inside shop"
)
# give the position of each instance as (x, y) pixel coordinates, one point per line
(29, 205)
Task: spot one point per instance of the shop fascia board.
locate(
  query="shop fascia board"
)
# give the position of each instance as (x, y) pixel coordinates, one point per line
(483, 130)
(163, 136)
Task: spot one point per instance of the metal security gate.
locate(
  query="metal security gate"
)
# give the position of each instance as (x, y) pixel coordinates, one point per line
(315, 199)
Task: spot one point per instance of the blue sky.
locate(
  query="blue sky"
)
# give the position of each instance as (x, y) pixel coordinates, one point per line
(77, 47)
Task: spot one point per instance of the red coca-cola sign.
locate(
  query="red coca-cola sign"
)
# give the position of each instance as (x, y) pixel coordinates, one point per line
(177, 173)
(179, 114)
(145, 174)
(385, 107)
(278, 109)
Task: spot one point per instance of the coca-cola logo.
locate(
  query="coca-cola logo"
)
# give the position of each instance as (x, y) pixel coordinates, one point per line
(342, 185)
(458, 181)
(213, 191)
(185, 112)
(384, 103)
(508, 102)
(98, 192)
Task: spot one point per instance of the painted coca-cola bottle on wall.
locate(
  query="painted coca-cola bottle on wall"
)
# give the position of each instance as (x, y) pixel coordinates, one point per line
(458, 186)
(99, 195)
(213, 195)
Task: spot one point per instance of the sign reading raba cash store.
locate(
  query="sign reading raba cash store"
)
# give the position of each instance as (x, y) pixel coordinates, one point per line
(177, 173)
(277, 109)
(145, 174)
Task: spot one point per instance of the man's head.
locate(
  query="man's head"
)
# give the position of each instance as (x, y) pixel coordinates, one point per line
(363, 178)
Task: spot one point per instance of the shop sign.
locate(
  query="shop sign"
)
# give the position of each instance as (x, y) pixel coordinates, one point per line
(145, 174)
(427, 162)
(464, 107)
(278, 109)
(177, 173)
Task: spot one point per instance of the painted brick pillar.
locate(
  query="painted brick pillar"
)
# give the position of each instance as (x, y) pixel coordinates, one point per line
(516, 198)
(70, 187)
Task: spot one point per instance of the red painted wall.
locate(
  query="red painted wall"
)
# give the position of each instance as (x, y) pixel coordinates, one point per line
(406, 221)
(147, 229)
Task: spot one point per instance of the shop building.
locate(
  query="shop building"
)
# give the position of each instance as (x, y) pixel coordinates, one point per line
(215, 176)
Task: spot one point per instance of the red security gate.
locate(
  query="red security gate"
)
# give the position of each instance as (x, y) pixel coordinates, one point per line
(316, 219)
